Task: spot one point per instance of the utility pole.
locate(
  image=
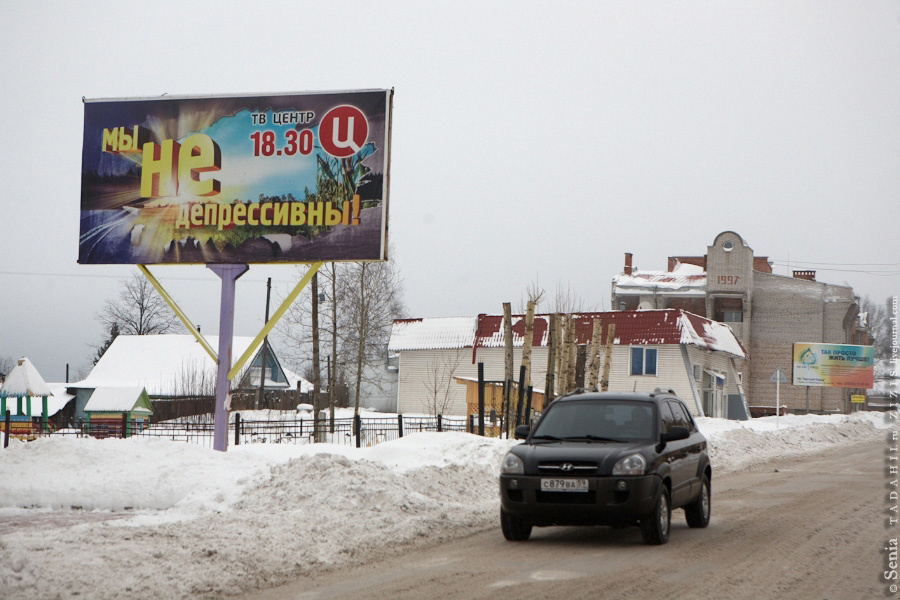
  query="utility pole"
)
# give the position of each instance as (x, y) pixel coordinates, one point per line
(315, 352)
(265, 345)
(332, 376)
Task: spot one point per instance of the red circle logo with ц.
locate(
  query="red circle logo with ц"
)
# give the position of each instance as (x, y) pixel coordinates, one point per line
(343, 131)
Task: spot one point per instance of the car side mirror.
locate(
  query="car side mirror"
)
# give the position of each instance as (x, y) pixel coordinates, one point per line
(522, 431)
(675, 433)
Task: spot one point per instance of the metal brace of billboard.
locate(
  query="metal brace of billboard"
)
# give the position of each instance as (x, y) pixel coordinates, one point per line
(239, 179)
(834, 365)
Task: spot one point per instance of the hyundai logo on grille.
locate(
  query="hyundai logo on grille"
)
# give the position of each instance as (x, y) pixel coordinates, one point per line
(566, 467)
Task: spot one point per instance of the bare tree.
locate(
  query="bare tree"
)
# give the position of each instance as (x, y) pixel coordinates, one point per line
(372, 298)
(296, 328)
(439, 382)
(878, 320)
(357, 303)
(533, 293)
(139, 310)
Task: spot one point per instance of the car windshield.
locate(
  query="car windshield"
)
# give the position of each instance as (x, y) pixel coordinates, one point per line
(597, 421)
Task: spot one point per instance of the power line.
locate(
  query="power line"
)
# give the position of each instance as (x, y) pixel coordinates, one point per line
(864, 271)
(804, 262)
(166, 278)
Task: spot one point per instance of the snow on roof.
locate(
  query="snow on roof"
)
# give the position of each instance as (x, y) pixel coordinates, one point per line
(59, 399)
(435, 333)
(159, 363)
(686, 280)
(633, 327)
(115, 399)
(292, 378)
(24, 380)
(711, 335)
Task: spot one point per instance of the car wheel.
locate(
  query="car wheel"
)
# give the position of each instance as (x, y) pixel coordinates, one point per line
(697, 512)
(655, 527)
(515, 528)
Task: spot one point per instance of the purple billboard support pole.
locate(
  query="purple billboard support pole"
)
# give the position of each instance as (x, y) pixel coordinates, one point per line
(229, 275)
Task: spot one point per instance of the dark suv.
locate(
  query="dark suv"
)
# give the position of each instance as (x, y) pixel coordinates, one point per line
(609, 458)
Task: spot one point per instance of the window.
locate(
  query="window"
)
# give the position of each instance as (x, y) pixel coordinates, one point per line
(643, 361)
(666, 418)
(681, 416)
(728, 310)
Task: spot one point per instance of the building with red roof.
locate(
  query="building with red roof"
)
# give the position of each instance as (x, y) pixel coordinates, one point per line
(669, 349)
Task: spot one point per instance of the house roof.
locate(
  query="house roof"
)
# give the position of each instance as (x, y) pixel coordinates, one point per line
(163, 364)
(24, 380)
(118, 399)
(633, 327)
(59, 399)
(684, 280)
(434, 333)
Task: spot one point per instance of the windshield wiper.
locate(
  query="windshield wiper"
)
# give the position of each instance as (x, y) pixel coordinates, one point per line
(551, 438)
(590, 438)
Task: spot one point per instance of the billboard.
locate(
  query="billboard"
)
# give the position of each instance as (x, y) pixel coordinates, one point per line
(237, 179)
(834, 365)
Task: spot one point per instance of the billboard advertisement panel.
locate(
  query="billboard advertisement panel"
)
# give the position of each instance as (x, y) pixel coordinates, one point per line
(237, 179)
(834, 365)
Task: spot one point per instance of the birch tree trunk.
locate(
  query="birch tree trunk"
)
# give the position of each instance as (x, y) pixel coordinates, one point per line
(551, 360)
(570, 351)
(607, 356)
(594, 370)
(507, 363)
(526, 346)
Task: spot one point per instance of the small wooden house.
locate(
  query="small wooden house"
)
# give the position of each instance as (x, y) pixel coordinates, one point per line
(493, 402)
(115, 411)
(24, 394)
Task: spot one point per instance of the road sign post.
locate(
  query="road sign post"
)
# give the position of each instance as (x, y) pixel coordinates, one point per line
(778, 376)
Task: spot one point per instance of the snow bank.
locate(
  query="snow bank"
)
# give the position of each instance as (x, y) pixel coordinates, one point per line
(204, 524)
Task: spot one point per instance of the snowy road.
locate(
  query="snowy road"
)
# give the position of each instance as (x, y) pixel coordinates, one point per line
(810, 527)
(150, 518)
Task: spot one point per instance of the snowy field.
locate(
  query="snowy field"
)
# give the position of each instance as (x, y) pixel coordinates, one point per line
(150, 518)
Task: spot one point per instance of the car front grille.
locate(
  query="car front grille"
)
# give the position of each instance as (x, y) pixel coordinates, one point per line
(580, 468)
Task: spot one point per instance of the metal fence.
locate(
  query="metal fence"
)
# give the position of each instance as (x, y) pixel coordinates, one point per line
(359, 431)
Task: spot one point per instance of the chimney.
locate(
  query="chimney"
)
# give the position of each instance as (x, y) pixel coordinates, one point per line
(808, 275)
(628, 263)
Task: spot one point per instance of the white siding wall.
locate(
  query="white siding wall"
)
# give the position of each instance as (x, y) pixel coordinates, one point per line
(417, 369)
(670, 375)
(721, 363)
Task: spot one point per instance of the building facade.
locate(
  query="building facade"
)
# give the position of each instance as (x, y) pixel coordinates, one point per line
(767, 312)
(670, 349)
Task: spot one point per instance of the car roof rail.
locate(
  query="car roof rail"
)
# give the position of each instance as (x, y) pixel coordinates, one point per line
(662, 391)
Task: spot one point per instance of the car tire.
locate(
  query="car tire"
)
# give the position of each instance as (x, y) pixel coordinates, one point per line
(655, 527)
(697, 512)
(515, 528)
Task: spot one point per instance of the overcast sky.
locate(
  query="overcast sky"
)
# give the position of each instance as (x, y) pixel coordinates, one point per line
(531, 140)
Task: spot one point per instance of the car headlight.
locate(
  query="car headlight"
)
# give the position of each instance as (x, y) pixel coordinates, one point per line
(633, 464)
(512, 465)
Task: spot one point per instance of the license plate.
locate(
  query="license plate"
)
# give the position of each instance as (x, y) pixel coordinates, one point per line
(564, 485)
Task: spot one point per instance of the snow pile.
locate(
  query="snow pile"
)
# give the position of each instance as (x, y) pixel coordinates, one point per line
(204, 524)
(736, 445)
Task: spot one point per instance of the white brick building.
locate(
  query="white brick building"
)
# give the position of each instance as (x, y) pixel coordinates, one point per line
(768, 312)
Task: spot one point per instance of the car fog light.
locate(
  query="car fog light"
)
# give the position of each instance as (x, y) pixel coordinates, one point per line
(513, 483)
(621, 485)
